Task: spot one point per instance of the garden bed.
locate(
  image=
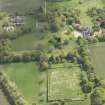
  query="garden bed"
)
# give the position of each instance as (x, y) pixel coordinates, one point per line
(64, 83)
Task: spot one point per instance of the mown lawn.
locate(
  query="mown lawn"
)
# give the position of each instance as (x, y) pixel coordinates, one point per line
(27, 77)
(97, 53)
(64, 82)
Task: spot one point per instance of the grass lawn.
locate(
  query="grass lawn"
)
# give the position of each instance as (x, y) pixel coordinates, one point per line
(27, 77)
(97, 53)
(20, 6)
(86, 20)
(63, 82)
(31, 41)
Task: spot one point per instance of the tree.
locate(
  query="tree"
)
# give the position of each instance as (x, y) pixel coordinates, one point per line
(70, 57)
(54, 26)
(96, 27)
(43, 65)
(87, 87)
(26, 57)
(70, 20)
(52, 59)
(43, 62)
(102, 82)
(98, 96)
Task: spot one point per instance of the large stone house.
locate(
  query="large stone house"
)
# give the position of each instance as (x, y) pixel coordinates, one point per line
(86, 31)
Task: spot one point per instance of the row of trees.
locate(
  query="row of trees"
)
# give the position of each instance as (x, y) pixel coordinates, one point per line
(98, 95)
(20, 57)
(88, 83)
(45, 62)
(6, 56)
(11, 91)
(91, 83)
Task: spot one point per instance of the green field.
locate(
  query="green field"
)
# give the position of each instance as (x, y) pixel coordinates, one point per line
(30, 42)
(20, 6)
(97, 53)
(64, 82)
(27, 77)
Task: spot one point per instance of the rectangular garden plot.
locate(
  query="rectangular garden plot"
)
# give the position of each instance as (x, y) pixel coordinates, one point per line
(64, 84)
